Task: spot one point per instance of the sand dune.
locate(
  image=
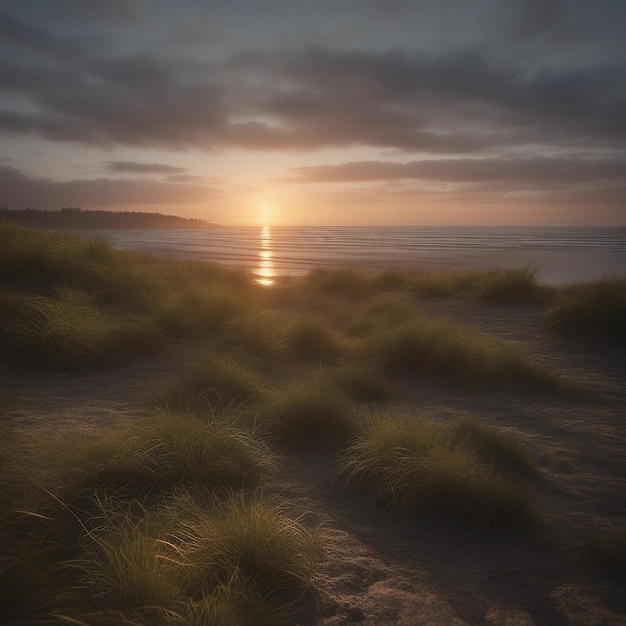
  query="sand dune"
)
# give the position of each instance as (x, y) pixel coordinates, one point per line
(379, 567)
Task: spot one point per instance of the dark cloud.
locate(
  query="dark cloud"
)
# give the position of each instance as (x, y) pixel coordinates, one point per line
(523, 78)
(452, 101)
(132, 167)
(542, 16)
(184, 178)
(17, 190)
(449, 103)
(28, 36)
(538, 173)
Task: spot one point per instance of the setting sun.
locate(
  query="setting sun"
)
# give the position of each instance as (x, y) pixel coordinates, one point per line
(267, 215)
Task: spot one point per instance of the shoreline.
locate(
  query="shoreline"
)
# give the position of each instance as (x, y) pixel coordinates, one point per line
(296, 251)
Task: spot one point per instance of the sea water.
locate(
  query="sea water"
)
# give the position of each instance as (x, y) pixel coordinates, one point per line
(560, 254)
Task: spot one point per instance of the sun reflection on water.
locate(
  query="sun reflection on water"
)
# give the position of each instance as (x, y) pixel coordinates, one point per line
(265, 271)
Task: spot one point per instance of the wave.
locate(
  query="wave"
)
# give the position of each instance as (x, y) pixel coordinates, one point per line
(563, 254)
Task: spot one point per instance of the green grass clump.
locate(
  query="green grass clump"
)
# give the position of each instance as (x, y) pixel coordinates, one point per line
(466, 472)
(341, 282)
(312, 338)
(259, 334)
(214, 380)
(384, 311)
(440, 347)
(200, 297)
(165, 451)
(72, 302)
(41, 262)
(509, 286)
(591, 309)
(147, 526)
(391, 280)
(361, 382)
(232, 560)
(504, 286)
(311, 414)
(440, 284)
(193, 311)
(239, 559)
(70, 332)
(254, 540)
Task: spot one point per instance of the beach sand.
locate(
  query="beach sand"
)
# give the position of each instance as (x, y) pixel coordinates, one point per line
(379, 567)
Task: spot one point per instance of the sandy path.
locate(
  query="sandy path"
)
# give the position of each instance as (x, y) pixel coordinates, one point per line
(52, 402)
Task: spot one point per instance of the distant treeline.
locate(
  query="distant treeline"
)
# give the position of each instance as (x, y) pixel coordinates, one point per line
(75, 217)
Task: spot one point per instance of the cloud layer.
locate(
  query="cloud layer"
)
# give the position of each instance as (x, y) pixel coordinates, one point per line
(526, 95)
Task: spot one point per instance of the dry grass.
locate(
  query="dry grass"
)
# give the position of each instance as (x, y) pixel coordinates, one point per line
(311, 413)
(213, 380)
(502, 286)
(151, 524)
(80, 303)
(464, 470)
(590, 310)
(442, 348)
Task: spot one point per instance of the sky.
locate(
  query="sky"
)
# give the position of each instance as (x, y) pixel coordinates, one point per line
(373, 112)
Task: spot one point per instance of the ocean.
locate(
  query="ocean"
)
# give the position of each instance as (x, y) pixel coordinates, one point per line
(560, 254)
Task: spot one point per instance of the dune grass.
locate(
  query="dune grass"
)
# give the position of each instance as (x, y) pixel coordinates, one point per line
(43, 261)
(464, 470)
(361, 381)
(312, 338)
(349, 282)
(239, 558)
(259, 334)
(437, 346)
(74, 303)
(165, 521)
(69, 332)
(498, 286)
(590, 310)
(154, 523)
(214, 379)
(165, 451)
(384, 311)
(310, 414)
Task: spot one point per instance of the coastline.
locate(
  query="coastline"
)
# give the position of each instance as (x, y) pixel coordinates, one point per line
(562, 255)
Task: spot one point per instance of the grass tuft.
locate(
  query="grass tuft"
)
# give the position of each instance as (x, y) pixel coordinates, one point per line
(72, 302)
(498, 286)
(70, 332)
(311, 414)
(250, 540)
(312, 338)
(92, 544)
(591, 309)
(213, 380)
(168, 450)
(243, 560)
(359, 381)
(430, 467)
(343, 282)
(384, 311)
(442, 348)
